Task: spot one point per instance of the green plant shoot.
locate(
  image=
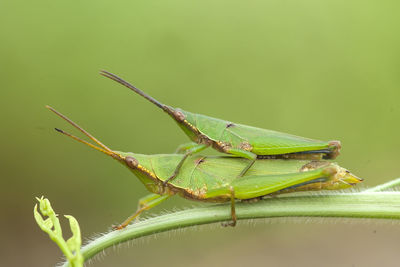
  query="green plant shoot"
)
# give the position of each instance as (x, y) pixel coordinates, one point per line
(51, 225)
(215, 179)
(237, 139)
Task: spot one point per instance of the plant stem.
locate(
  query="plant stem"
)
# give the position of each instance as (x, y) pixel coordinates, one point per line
(379, 205)
(382, 187)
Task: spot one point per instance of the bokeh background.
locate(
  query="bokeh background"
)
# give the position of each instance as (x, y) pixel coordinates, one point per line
(321, 69)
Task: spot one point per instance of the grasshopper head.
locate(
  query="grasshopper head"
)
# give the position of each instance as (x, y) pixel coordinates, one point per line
(350, 179)
(341, 178)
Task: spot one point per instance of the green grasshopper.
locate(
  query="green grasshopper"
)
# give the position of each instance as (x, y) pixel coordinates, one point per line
(237, 139)
(214, 179)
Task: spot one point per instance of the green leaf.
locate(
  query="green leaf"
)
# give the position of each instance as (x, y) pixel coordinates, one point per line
(74, 243)
(52, 227)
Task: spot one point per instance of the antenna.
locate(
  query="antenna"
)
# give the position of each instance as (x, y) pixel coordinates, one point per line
(104, 148)
(133, 88)
(110, 153)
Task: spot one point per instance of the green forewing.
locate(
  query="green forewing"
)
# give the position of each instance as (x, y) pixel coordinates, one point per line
(260, 185)
(264, 142)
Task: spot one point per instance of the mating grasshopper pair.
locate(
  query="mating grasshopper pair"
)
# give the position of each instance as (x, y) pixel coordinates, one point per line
(228, 178)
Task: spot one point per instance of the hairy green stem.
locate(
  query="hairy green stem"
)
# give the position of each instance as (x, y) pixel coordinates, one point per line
(382, 187)
(379, 205)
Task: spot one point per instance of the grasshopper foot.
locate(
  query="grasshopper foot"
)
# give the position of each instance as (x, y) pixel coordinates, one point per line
(231, 224)
(118, 227)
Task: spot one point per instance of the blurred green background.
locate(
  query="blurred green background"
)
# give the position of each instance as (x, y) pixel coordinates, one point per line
(327, 70)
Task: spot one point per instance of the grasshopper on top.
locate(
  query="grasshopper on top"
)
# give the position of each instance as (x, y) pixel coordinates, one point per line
(214, 179)
(238, 139)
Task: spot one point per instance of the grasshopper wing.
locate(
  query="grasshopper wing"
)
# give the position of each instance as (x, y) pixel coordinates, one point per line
(260, 185)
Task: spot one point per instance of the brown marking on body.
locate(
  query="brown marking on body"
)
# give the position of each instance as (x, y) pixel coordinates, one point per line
(199, 195)
(230, 124)
(199, 161)
(246, 146)
(312, 165)
(221, 146)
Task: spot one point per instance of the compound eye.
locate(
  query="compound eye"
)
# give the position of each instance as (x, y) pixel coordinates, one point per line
(131, 162)
(179, 115)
